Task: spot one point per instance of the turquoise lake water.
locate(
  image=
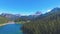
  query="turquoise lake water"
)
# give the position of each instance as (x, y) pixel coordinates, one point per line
(11, 29)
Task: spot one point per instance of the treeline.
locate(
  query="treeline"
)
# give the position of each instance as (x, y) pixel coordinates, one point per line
(46, 24)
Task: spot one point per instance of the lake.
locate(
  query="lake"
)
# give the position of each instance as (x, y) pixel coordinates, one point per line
(11, 29)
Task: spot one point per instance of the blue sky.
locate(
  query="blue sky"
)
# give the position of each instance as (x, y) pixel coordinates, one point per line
(27, 7)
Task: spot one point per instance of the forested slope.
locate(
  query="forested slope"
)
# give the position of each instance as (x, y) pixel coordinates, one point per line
(48, 23)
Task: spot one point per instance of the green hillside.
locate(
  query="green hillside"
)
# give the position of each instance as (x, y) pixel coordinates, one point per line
(3, 20)
(46, 24)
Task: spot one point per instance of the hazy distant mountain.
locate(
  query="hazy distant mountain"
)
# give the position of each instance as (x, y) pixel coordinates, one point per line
(34, 15)
(38, 13)
(10, 16)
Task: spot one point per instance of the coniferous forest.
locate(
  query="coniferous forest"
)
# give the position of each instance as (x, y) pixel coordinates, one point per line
(48, 23)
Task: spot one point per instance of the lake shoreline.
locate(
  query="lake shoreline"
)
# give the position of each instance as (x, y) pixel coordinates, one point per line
(3, 24)
(7, 24)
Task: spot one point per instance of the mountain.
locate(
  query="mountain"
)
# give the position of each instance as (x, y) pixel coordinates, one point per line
(10, 16)
(31, 17)
(38, 13)
(53, 12)
(48, 23)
